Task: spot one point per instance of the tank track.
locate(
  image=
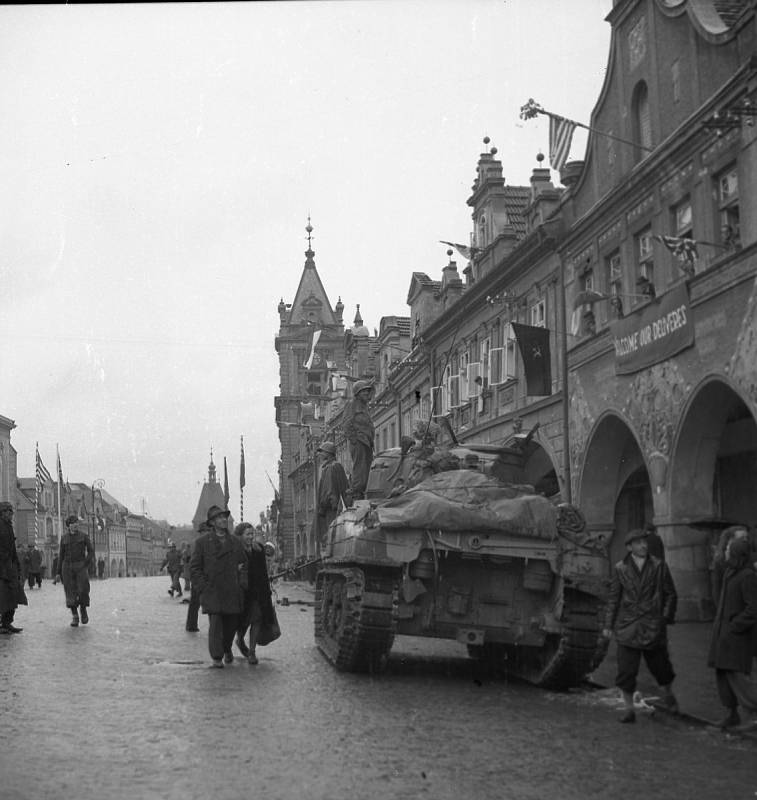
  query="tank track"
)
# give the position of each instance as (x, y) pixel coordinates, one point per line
(569, 657)
(355, 617)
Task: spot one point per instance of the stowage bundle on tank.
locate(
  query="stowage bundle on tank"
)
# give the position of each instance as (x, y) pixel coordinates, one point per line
(466, 500)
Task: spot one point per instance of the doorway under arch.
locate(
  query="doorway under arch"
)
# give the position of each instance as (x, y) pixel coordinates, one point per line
(615, 492)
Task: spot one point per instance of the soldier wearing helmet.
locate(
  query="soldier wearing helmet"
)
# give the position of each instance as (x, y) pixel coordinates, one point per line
(359, 432)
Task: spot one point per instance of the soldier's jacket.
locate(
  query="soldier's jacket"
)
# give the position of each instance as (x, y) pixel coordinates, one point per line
(357, 423)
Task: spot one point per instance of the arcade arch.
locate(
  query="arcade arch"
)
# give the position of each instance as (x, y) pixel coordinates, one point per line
(615, 492)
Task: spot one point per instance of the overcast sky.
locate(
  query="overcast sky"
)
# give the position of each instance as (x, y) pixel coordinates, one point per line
(159, 163)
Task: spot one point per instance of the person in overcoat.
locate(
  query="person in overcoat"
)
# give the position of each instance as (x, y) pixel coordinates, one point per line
(359, 432)
(259, 603)
(333, 491)
(10, 571)
(734, 632)
(641, 604)
(219, 574)
(74, 560)
(172, 560)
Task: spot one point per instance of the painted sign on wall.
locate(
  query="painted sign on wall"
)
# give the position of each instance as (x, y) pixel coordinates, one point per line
(654, 333)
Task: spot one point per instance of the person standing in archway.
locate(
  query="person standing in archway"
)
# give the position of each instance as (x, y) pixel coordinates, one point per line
(360, 433)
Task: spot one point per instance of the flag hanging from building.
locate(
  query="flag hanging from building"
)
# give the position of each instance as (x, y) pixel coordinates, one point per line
(225, 483)
(241, 464)
(683, 248)
(60, 471)
(316, 336)
(465, 251)
(42, 475)
(533, 343)
(560, 138)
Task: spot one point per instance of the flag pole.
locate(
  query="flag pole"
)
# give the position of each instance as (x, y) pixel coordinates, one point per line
(564, 377)
(531, 109)
(60, 474)
(36, 492)
(242, 480)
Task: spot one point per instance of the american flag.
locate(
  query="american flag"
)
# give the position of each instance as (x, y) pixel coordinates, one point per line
(560, 137)
(684, 248)
(43, 476)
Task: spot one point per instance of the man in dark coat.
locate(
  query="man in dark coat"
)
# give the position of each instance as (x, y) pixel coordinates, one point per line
(734, 632)
(193, 610)
(332, 490)
(359, 431)
(642, 602)
(74, 560)
(34, 566)
(259, 603)
(173, 562)
(10, 571)
(219, 573)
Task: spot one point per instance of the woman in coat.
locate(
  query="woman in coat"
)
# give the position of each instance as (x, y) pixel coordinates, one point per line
(219, 575)
(74, 560)
(734, 632)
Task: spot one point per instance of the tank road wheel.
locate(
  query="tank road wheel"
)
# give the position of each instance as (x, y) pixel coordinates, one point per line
(331, 617)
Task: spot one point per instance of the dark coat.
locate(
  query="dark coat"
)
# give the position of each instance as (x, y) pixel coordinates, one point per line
(173, 560)
(332, 487)
(735, 627)
(9, 568)
(258, 583)
(641, 603)
(219, 573)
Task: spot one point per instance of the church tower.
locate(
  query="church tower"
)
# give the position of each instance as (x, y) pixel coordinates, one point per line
(211, 494)
(310, 346)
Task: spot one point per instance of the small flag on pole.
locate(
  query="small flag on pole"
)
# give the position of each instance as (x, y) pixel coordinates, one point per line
(316, 336)
(533, 343)
(465, 251)
(560, 137)
(225, 483)
(42, 475)
(683, 248)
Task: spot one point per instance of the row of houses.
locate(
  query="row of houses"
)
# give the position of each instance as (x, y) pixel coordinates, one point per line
(129, 544)
(637, 274)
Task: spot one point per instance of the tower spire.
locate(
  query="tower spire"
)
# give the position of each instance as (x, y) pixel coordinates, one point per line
(211, 469)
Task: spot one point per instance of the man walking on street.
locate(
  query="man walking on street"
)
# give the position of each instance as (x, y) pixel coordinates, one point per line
(642, 603)
(173, 562)
(74, 560)
(359, 431)
(10, 571)
(34, 569)
(219, 572)
(734, 633)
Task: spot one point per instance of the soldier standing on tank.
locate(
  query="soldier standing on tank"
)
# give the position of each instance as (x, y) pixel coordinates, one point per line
(332, 490)
(642, 603)
(359, 431)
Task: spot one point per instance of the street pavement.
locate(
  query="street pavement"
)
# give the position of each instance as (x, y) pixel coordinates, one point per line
(128, 707)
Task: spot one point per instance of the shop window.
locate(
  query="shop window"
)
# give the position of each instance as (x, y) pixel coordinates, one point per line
(728, 207)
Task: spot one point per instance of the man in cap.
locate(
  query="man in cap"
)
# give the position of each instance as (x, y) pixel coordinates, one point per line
(173, 562)
(359, 431)
(332, 490)
(74, 559)
(10, 571)
(642, 603)
(219, 574)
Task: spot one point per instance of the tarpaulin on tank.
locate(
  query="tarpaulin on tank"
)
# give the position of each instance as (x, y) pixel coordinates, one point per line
(464, 500)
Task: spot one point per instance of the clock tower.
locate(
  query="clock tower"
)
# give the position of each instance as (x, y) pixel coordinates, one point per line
(310, 345)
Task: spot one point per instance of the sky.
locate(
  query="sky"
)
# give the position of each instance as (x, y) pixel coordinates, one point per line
(159, 164)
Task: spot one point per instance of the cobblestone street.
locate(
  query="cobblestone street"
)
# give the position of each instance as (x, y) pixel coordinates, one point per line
(127, 706)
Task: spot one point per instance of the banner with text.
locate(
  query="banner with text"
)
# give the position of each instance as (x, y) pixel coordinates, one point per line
(654, 333)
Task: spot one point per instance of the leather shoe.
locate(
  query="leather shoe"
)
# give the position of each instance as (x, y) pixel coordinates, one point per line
(228, 657)
(192, 630)
(13, 629)
(243, 649)
(252, 659)
(731, 720)
(84, 616)
(629, 716)
(75, 621)
(218, 663)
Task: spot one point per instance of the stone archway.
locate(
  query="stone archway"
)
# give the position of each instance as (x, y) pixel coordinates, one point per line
(615, 493)
(539, 471)
(713, 474)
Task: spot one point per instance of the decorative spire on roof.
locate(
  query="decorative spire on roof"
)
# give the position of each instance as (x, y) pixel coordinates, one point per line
(358, 319)
(309, 253)
(211, 469)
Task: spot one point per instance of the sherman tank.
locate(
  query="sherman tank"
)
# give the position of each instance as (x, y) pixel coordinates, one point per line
(449, 544)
